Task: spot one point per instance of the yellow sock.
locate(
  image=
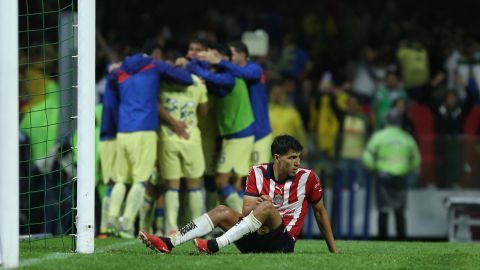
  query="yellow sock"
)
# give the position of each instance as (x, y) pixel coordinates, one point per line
(146, 214)
(104, 218)
(195, 202)
(133, 204)
(234, 201)
(116, 201)
(172, 206)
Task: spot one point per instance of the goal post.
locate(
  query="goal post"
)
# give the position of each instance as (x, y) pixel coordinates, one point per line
(86, 127)
(9, 135)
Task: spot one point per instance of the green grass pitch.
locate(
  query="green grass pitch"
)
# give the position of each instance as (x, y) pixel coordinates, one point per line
(309, 254)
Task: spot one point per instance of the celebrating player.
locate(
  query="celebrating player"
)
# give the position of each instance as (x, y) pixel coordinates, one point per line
(137, 82)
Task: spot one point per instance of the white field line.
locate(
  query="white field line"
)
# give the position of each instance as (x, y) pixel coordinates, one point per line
(58, 255)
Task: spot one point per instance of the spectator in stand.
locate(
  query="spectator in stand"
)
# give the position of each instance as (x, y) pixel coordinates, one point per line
(367, 73)
(449, 125)
(384, 97)
(295, 63)
(463, 66)
(323, 121)
(353, 135)
(401, 106)
(284, 117)
(412, 57)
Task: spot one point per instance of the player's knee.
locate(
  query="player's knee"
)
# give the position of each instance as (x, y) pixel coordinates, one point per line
(222, 209)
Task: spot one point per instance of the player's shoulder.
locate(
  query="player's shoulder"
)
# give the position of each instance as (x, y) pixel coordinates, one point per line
(308, 172)
(302, 170)
(259, 169)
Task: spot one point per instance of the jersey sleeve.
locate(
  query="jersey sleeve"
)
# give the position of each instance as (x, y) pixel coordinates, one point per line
(251, 186)
(248, 72)
(314, 190)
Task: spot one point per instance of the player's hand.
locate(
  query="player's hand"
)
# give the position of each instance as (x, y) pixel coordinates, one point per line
(114, 66)
(209, 56)
(181, 61)
(263, 198)
(180, 128)
(336, 250)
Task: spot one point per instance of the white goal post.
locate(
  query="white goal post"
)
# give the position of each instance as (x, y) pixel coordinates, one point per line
(85, 219)
(9, 131)
(9, 162)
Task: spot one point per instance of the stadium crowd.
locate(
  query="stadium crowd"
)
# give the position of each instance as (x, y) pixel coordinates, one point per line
(328, 79)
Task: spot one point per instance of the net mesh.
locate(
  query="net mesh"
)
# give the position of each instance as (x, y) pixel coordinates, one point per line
(47, 109)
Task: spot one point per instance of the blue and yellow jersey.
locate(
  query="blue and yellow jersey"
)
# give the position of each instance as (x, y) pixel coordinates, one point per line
(182, 102)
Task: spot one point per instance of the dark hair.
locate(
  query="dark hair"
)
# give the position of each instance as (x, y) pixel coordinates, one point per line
(202, 41)
(393, 118)
(284, 143)
(150, 46)
(240, 47)
(223, 49)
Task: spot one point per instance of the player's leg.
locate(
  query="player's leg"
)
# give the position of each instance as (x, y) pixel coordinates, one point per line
(143, 152)
(170, 172)
(160, 214)
(147, 209)
(172, 205)
(221, 216)
(211, 149)
(122, 176)
(264, 217)
(193, 167)
(235, 156)
(107, 160)
(261, 150)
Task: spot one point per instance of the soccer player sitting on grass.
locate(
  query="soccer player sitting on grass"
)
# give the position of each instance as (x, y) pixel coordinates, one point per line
(276, 201)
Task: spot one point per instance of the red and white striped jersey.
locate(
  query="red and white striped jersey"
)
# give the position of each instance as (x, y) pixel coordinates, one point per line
(290, 197)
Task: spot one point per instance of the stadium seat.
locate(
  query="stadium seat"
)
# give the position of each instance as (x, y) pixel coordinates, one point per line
(423, 122)
(471, 152)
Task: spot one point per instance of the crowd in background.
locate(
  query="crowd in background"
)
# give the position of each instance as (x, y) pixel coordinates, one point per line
(330, 60)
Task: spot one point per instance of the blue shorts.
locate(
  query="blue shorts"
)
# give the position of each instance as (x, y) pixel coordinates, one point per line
(278, 240)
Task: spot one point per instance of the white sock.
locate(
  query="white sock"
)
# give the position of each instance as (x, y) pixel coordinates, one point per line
(247, 225)
(195, 228)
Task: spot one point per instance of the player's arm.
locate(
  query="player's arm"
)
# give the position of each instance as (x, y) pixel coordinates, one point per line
(247, 72)
(202, 109)
(249, 203)
(224, 79)
(178, 75)
(179, 127)
(323, 222)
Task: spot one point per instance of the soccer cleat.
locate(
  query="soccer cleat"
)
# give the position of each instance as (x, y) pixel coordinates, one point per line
(112, 232)
(202, 246)
(155, 243)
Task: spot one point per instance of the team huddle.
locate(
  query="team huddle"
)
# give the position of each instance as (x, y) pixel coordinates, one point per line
(201, 121)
